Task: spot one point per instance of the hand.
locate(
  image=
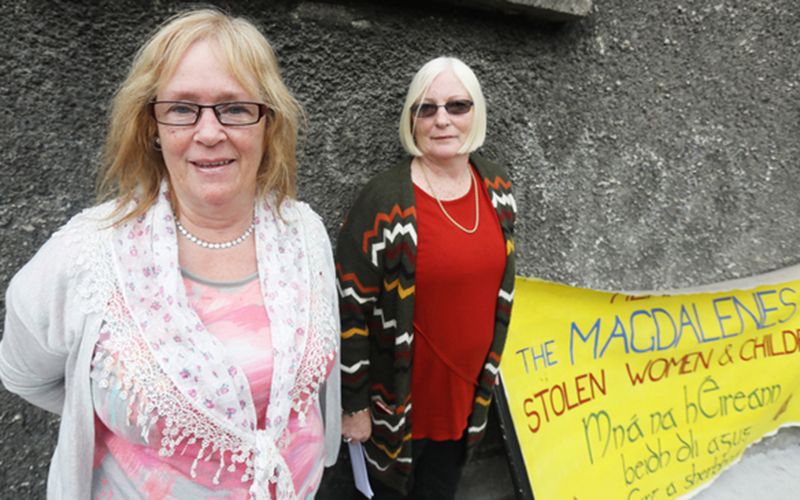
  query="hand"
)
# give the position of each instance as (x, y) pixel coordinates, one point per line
(357, 427)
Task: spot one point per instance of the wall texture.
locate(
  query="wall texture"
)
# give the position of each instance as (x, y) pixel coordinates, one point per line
(653, 144)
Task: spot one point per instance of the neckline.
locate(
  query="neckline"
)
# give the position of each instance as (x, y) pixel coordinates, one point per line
(218, 284)
(420, 189)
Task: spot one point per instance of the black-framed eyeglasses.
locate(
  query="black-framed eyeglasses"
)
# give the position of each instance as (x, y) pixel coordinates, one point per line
(455, 107)
(183, 114)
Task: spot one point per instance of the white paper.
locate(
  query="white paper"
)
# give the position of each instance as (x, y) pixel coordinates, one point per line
(359, 468)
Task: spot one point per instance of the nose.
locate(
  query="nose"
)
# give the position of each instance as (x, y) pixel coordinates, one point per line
(442, 117)
(208, 130)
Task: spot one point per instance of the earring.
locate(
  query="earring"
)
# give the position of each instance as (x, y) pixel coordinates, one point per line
(157, 143)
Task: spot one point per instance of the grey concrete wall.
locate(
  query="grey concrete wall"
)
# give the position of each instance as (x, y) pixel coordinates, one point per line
(653, 144)
(551, 10)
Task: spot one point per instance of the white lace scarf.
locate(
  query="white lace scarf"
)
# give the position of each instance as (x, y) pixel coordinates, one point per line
(174, 369)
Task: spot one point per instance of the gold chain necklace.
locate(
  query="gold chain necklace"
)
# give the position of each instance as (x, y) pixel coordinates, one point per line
(451, 219)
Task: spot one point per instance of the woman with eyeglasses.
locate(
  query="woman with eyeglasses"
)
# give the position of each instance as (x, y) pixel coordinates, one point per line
(186, 329)
(425, 264)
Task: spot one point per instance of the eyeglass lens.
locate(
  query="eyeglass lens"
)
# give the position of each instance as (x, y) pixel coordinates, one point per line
(187, 113)
(427, 109)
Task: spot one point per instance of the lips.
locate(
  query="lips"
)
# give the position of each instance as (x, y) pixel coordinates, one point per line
(211, 163)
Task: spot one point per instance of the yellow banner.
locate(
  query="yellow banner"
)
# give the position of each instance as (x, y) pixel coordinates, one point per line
(646, 397)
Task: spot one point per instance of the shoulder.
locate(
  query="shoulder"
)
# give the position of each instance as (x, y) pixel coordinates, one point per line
(489, 169)
(93, 221)
(309, 223)
(388, 187)
(73, 256)
(389, 192)
(88, 228)
(498, 186)
(306, 215)
(317, 242)
(391, 176)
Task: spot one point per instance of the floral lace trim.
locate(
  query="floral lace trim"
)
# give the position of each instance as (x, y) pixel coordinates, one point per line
(321, 343)
(149, 391)
(90, 267)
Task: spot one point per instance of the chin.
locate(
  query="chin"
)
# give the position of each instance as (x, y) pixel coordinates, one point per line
(221, 197)
(444, 154)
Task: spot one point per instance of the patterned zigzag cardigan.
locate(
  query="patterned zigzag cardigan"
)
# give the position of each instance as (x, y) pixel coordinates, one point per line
(376, 262)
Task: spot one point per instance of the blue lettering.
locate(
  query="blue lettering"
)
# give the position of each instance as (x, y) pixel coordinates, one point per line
(618, 331)
(633, 332)
(676, 336)
(741, 307)
(574, 329)
(792, 304)
(721, 317)
(686, 321)
(762, 307)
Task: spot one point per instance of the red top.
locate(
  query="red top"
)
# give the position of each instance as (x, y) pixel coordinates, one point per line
(457, 279)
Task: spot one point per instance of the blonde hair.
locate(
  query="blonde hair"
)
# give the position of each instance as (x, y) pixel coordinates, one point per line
(133, 170)
(419, 88)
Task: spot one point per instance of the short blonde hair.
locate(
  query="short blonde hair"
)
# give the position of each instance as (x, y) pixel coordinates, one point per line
(133, 169)
(419, 87)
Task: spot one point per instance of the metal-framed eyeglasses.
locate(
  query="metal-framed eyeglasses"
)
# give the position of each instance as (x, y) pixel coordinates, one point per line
(185, 114)
(454, 107)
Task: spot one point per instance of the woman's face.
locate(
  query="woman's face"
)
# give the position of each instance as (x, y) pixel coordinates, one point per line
(442, 135)
(210, 166)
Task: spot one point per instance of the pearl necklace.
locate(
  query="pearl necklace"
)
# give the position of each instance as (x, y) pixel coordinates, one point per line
(215, 246)
(441, 207)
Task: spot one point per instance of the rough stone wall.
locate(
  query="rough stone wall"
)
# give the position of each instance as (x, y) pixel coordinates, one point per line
(653, 144)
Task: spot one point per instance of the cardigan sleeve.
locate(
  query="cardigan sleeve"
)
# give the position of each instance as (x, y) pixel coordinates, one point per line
(359, 281)
(36, 340)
